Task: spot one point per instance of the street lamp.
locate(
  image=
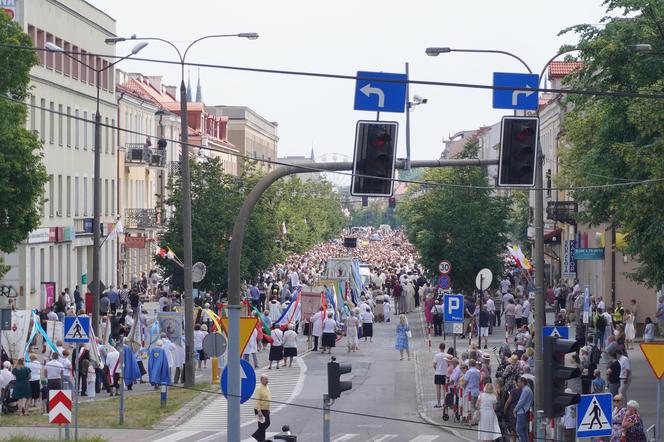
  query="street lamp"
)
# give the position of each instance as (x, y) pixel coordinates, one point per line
(96, 231)
(234, 310)
(436, 51)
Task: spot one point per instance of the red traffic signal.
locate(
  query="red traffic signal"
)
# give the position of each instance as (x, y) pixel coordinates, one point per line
(374, 158)
(518, 151)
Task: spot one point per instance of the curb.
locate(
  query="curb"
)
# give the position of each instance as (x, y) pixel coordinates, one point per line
(420, 405)
(184, 413)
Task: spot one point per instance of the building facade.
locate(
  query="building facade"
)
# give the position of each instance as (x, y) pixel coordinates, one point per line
(251, 134)
(147, 138)
(58, 254)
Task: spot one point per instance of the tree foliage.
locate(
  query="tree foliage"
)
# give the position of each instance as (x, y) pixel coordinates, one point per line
(22, 174)
(310, 210)
(466, 225)
(617, 140)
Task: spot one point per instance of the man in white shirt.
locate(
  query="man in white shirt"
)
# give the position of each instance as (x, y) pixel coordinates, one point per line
(491, 309)
(51, 315)
(439, 369)
(505, 285)
(625, 374)
(53, 371)
(526, 311)
(600, 303)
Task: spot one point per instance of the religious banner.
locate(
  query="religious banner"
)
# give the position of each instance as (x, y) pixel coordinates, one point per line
(48, 293)
(15, 340)
(171, 324)
(339, 268)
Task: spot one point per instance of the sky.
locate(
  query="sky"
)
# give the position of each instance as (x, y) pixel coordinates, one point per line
(344, 37)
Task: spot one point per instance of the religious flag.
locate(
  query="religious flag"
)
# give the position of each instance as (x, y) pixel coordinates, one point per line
(158, 369)
(131, 371)
(519, 258)
(118, 229)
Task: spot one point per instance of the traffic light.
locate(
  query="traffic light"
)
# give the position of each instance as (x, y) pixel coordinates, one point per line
(555, 375)
(374, 158)
(518, 151)
(335, 386)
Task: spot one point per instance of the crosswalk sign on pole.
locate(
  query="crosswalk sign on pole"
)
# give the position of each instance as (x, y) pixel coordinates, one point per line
(556, 331)
(593, 418)
(77, 329)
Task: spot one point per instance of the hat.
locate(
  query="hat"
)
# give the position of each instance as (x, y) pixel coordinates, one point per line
(486, 356)
(512, 359)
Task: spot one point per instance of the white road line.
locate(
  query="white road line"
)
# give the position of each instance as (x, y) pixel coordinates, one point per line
(251, 439)
(211, 438)
(178, 435)
(424, 438)
(383, 438)
(344, 437)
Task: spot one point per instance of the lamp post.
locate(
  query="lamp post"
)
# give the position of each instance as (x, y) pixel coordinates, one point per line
(186, 212)
(96, 186)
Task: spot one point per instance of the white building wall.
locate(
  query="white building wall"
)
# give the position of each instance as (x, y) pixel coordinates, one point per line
(57, 98)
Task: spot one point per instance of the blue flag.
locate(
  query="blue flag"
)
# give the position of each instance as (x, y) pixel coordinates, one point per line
(131, 372)
(158, 369)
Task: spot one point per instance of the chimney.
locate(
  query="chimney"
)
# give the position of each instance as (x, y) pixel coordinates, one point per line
(155, 81)
(172, 91)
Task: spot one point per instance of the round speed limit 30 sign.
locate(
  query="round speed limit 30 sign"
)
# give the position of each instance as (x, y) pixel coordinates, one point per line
(445, 267)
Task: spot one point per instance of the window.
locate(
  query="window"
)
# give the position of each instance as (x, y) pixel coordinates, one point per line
(85, 196)
(59, 195)
(42, 264)
(51, 123)
(33, 114)
(60, 121)
(112, 197)
(76, 196)
(106, 197)
(106, 135)
(51, 195)
(66, 60)
(91, 73)
(41, 41)
(59, 55)
(68, 126)
(104, 75)
(42, 123)
(83, 57)
(112, 136)
(77, 122)
(75, 65)
(49, 54)
(68, 196)
(85, 129)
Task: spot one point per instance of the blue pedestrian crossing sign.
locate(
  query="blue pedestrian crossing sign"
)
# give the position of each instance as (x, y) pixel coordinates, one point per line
(521, 98)
(77, 329)
(593, 417)
(556, 331)
(371, 94)
(248, 376)
(453, 308)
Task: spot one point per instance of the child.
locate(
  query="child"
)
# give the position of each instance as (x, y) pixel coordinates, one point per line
(387, 309)
(649, 331)
(91, 383)
(598, 383)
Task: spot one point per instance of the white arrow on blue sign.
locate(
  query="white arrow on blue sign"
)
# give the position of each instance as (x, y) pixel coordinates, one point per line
(248, 381)
(453, 308)
(556, 331)
(371, 94)
(593, 417)
(518, 98)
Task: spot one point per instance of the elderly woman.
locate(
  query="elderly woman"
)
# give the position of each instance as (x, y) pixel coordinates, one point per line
(632, 424)
(352, 324)
(618, 413)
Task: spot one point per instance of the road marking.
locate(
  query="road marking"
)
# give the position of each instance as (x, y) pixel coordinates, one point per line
(178, 435)
(383, 437)
(344, 437)
(251, 439)
(424, 439)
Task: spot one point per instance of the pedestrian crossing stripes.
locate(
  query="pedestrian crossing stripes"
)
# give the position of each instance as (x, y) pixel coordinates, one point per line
(285, 384)
(209, 436)
(354, 437)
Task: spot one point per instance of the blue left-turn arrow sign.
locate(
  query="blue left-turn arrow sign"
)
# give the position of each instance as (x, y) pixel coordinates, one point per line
(372, 94)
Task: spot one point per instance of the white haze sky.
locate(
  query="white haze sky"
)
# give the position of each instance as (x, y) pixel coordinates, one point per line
(343, 37)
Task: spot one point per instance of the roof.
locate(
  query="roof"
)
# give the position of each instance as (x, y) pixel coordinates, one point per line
(560, 69)
(133, 87)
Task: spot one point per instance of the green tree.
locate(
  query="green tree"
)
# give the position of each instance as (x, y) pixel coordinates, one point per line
(614, 140)
(460, 220)
(22, 174)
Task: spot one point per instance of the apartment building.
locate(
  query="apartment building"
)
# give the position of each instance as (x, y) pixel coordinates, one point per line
(58, 254)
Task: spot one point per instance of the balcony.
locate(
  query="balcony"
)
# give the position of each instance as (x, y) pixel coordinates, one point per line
(142, 218)
(562, 211)
(173, 167)
(138, 154)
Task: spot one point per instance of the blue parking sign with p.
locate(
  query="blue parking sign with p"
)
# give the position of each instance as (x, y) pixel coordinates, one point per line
(453, 308)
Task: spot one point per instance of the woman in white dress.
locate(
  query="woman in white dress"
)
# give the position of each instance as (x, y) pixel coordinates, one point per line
(630, 331)
(488, 428)
(352, 323)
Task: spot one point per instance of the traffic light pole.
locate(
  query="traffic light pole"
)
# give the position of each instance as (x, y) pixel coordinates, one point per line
(326, 418)
(235, 254)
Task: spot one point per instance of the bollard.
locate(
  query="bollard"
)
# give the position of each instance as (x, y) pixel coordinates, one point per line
(215, 371)
(164, 395)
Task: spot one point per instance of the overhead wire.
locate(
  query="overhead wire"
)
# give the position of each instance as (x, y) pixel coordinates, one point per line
(312, 169)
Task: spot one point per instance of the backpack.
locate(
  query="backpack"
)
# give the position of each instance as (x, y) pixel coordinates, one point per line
(600, 323)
